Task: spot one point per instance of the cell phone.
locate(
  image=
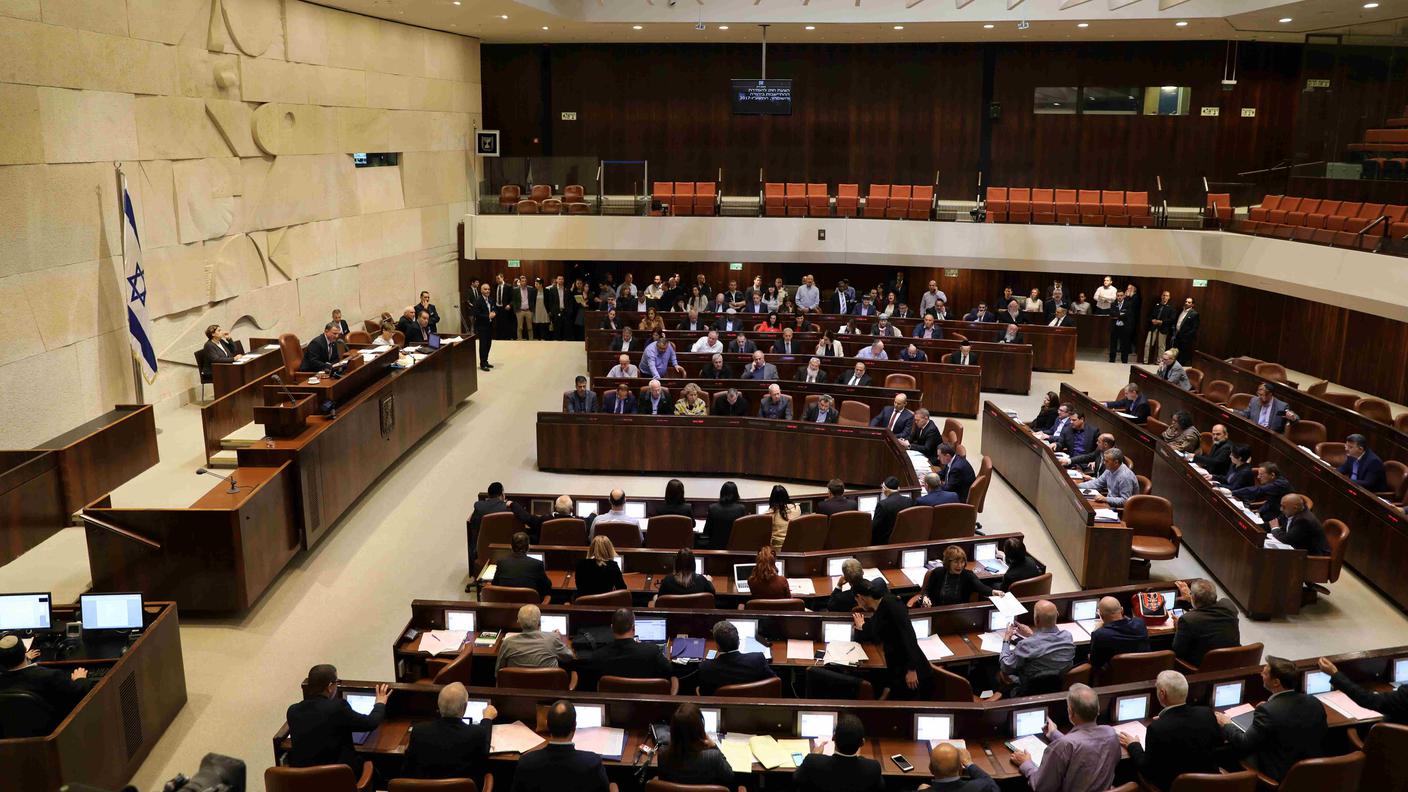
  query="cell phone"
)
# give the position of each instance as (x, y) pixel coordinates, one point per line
(1177, 613)
(819, 654)
(902, 763)
(797, 759)
(712, 654)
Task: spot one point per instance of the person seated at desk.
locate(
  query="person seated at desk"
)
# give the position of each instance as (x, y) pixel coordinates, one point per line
(801, 325)
(1117, 634)
(623, 369)
(740, 345)
(837, 502)
(691, 757)
(407, 323)
(1082, 760)
(60, 691)
(951, 583)
(1043, 654)
(1058, 425)
(1131, 403)
(620, 401)
(1268, 488)
(1393, 704)
(891, 503)
(910, 677)
(717, 369)
(826, 346)
(530, 647)
(923, 436)
(624, 656)
(722, 514)
(611, 322)
(320, 727)
(219, 347)
(626, 342)
(1076, 439)
(562, 507)
(674, 502)
(876, 351)
(447, 747)
(1209, 623)
(957, 474)
(1046, 416)
(1288, 727)
(775, 404)
(709, 343)
(651, 322)
(599, 573)
(728, 322)
(1181, 434)
(520, 570)
(1363, 466)
(844, 769)
(692, 322)
(823, 411)
(952, 770)
(760, 368)
(655, 400)
(764, 582)
(1298, 526)
(617, 513)
(557, 764)
(1240, 472)
(492, 504)
(729, 666)
(884, 329)
(857, 377)
(731, 403)
(1170, 370)
(785, 345)
(812, 373)
(684, 580)
(1011, 335)
(1218, 458)
(1060, 318)
(1268, 411)
(929, 328)
(1116, 483)
(963, 356)
(843, 597)
(387, 336)
(1180, 740)
(913, 354)
(690, 402)
(980, 314)
(897, 417)
(1012, 316)
(934, 492)
(1020, 566)
(321, 354)
(580, 399)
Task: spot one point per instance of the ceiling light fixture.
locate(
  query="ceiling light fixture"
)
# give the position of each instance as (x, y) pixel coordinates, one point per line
(723, 27)
(1284, 20)
(989, 26)
(1180, 23)
(899, 27)
(1083, 24)
(503, 16)
(811, 27)
(457, 2)
(1371, 6)
(545, 27)
(637, 27)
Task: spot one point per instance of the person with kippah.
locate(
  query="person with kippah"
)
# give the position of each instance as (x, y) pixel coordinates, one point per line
(58, 690)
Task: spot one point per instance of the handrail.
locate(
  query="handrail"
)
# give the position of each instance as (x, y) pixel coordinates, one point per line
(123, 532)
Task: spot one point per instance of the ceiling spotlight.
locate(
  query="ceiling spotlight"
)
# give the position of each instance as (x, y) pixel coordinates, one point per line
(989, 26)
(1083, 24)
(811, 27)
(503, 16)
(1284, 20)
(637, 27)
(1180, 23)
(1371, 6)
(457, 2)
(723, 27)
(899, 27)
(545, 27)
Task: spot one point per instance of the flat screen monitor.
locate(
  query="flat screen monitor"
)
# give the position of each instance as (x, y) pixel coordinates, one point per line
(1131, 708)
(1400, 671)
(474, 710)
(1313, 682)
(361, 703)
(111, 611)
(985, 551)
(997, 620)
(698, 566)
(591, 716)
(1226, 694)
(834, 631)
(1026, 722)
(535, 556)
(762, 508)
(459, 620)
(650, 630)
(635, 509)
(554, 622)
(867, 503)
(914, 559)
(747, 628)
(816, 725)
(933, 727)
(761, 97)
(586, 509)
(712, 717)
(26, 612)
(1084, 610)
(833, 566)
(923, 628)
(741, 573)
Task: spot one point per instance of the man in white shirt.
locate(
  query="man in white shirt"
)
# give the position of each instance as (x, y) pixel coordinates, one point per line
(623, 368)
(875, 351)
(627, 287)
(931, 298)
(709, 343)
(813, 372)
(617, 514)
(858, 377)
(808, 295)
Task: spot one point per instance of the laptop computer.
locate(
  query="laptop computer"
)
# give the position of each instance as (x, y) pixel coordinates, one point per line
(985, 553)
(362, 704)
(651, 631)
(741, 573)
(1131, 708)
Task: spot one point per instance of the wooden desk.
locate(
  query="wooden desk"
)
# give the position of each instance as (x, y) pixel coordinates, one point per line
(1378, 531)
(1097, 553)
(753, 447)
(231, 411)
(876, 399)
(541, 503)
(112, 730)
(230, 377)
(31, 501)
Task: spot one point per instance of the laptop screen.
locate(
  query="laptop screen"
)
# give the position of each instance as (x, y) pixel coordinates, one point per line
(1028, 722)
(985, 551)
(741, 573)
(459, 620)
(586, 509)
(914, 559)
(1131, 708)
(834, 631)
(867, 503)
(1227, 694)
(833, 566)
(923, 628)
(712, 716)
(816, 725)
(650, 630)
(933, 727)
(361, 703)
(434, 341)
(997, 620)
(1084, 610)
(554, 622)
(635, 509)
(536, 556)
(747, 628)
(1400, 671)
(1316, 682)
(591, 716)
(762, 508)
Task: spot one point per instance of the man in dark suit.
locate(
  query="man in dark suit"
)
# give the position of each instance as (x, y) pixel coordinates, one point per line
(1392, 703)
(447, 747)
(1219, 457)
(740, 345)
(503, 306)
(1092, 461)
(322, 724)
(952, 770)
(929, 328)
(934, 492)
(897, 417)
(337, 319)
(728, 323)
(558, 764)
(1180, 740)
(1288, 727)
(785, 345)
(1012, 335)
(425, 306)
(1270, 486)
(693, 323)
(1060, 318)
(484, 314)
(844, 770)
(957, 474)
(823, 411)
(1298, 526)
(730, 403)
(717, 369)
(556, 302)
(1161, 318)
(857, 377)
(963, 356)
(410, 328)
(1077, 438)
(1185, 331)
(61, 690)
(624, 656)
(620, 401)
(1117, 634)
(519, 570)
(839, 303)
(1363, 466)
(1122, 321)
(321, 353)
(923, 436)
(892, 502)
(1131, 402)
(731, 667)
(913, 354)
(626, 342)
(734, 296)
(1209, 623)
(980, 314)
(1240, 472)
(838, 502)
(1268, 411)
(655, 400)
(492, 504)
(812, 372)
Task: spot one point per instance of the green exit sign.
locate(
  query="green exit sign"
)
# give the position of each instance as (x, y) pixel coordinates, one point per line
(951, 273)
(1199, 283)
(513, 263)
(736, 266)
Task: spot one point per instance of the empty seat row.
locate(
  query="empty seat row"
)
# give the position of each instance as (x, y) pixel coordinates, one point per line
(1325, 221)
(550, 206)
(795, 199)
(896, 202)
(687, 198)
(511, 194)
(1068, 207)
(900, 201)
(1383, 140)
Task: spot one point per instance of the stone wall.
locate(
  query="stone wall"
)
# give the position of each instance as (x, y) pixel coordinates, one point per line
(235, 121)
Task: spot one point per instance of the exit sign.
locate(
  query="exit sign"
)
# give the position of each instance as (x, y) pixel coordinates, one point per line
(1199, 283)
(515, 263)
(1312, 84)
(569, 115)
(736, 266)
(951, 273)
(1211, 111)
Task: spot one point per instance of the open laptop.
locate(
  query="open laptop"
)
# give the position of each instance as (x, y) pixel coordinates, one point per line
(1400, 672)
(362, 703)
(741, 573)
(748, 635)
(591, 716)
(586, 508)
(459, 620)
(554, 622)
(985, 553)
(651, 631)
(635, 509)
(1131, 708)
(867, 503)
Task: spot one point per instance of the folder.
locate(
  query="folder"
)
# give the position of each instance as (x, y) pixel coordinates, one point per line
(735, 749)
(513, 738)
(687, 649)
(768, 752)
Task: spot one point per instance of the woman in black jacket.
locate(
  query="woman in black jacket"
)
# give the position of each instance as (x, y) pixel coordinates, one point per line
(1020, 566)
(674, 501)
(684, 580)
(691, 757)
(1046, 416)
(722, 516)
(599, 573)
(953, 583)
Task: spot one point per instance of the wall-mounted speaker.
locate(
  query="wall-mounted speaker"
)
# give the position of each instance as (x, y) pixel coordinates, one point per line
(994, 110)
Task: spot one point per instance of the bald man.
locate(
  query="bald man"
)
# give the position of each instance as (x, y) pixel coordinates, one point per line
(953, 771)
(1299, 527)
(1117, 634)
(1036, 654)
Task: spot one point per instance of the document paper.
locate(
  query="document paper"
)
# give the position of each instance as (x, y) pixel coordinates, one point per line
(735, 749)
(768, 752)
(1345, 705)
(1033, 745)
(934, 648)
(1008, 604)
(799, 649)
(603, 740)
(513, 738)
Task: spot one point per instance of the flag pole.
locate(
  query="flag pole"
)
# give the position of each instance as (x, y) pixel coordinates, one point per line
(122, 226)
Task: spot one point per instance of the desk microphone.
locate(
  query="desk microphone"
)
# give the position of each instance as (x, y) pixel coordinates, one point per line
(234, 488)
(291, 401)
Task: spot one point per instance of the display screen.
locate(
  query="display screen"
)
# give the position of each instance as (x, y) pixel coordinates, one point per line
(1131, 708)
(459, 620)
(761, 97)
(1227, 694)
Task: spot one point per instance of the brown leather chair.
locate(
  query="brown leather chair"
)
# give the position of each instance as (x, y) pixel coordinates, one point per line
(898, 380)
(1385, 757)
(1395, 475)
(750, 532)
(291, 350)
(913, 524)
(540, 192)
(620, 598)
(573, 193)
(1320, 570)
(1145, 485)
(1218, 391)
(660, 785)
(526, 206)
(577, 207)
(1318, 388)
(359, 337)
(536, 678)
(806, 533)
(1375, 409)
(1245, 781)
(650, 687)
(763, 688)
(519, 594)
(789, 605)
(701, 601)
(1076, 675)
(1150, 519)
(550, 206)
(620, 534)
(985, 466)
(1136, 667)
(1271, 371)
(1306, 433)
(1128, 786)
(510, 195)
(847, 530)
(1041, 584)
(1239, 401)
(853, 413)
(1318, 775)
(949, 686)
(811, 399)
(564, 532)
(1156, 408)
(1401, 422)
(1345, 400)
(670, 531)
(978, 492)
(1227, 658)
(497, 528)
(456, 670)
(1195, 377)
(954, 521)
(1332, 451)
(1153, 425)
(953, 431)
(1205, 443)
(323, 778)
(439, 784)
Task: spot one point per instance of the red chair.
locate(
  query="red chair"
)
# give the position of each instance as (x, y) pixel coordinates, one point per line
(550, 206)
(1277, 215)
(996, 204)
(1067, 210)
(526, 206)
(1219, 208)
(663, 193)
(323, 778)
(921, 203)
(1019, 202)
(682, 203)
(1112, 205)
(774, 200)
(705, 199)
(818, 202)
(1089, 205)
(1137, 208)
(1259, 216)
(877, 200)
(574, 193)
(847, 200)
(1043, 205)
(1344, 231)
(796, 199)
(509, 195)
(899, 202)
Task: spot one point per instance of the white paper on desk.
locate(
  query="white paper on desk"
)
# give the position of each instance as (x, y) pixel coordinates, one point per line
(1033, 745)
(487, 573)
(604, 740)
(513, 738)
(1125, 415)
(1135, 729)
(870, 573)
(1078, 633)
(268, 347)
(799, 649)
(934, 648)
(1272, 543)
(434, 642)
(748, 644)
(1240, 709)
(794, 746)
(768, 752)
(1090, 625)
(801, 587)
(699, 526)
(843, 653)
(1337, 700)
(1199, 469)
(1008, 604)
(1106, 516)
(991, 641)
(735, 749)
(915, 574)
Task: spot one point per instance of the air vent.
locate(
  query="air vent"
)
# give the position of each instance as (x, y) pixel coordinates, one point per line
(131, 714)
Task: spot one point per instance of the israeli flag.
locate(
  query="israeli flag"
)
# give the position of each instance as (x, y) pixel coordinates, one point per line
(139, 325)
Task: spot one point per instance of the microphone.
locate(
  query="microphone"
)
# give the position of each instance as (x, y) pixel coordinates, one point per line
(291, 401)
(234, 488)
